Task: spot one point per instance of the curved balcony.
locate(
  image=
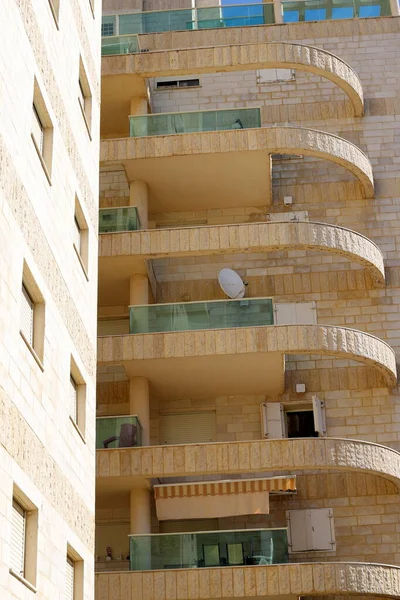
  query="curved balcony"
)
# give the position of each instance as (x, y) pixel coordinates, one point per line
(271, 55)
(243, 360)
(119, 252)
(122, 467)
(289, 581)
(231, 158)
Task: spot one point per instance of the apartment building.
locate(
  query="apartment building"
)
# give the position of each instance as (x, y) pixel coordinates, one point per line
(49, 112)
(248, 437)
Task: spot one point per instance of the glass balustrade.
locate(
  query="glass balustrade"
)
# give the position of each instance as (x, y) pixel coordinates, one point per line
(119, 44)
(189, 316)
(208, 549)
(191, 122)
(321, 10)
(114, 220)
(188, 18)
(118, 432)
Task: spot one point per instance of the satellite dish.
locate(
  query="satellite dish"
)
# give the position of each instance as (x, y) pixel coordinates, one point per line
(231, 283)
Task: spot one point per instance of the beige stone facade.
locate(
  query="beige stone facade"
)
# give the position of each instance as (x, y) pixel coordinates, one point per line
(305, 208)
(48, 179)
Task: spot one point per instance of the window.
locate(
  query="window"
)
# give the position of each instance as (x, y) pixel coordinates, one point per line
(85, 97)
(108, 25)
(182, 83)
(294, 420)
(23, 543)
(32, 316)
(73, 575)
(80, 236)
(311, 530)
(42, 131)
(77, 399)
(55, 9)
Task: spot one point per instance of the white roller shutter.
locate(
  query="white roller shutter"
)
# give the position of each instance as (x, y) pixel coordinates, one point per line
(73, 391)
(27, 308)
(69, 580)
(273, 420)
(295, 313)
(17, 550)
(187, 428)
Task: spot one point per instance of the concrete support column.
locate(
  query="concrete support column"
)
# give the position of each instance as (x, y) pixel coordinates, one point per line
(138, 196)
(278, 11)
(139, 106)
(140, 523)
(394, 8)
(138, 289)
(139, 404)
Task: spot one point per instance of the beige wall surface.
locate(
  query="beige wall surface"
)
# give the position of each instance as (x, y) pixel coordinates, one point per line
(42, 454)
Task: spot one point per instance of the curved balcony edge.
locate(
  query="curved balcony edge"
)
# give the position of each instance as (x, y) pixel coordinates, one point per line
(275, 455)
(241, 57)
(247, 237)
(273, 140)
(340, 342)
(300, 579)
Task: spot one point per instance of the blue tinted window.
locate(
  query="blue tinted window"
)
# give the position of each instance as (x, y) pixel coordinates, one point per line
(370, 11)
(345, 12)
(290, 16)
(316, 14)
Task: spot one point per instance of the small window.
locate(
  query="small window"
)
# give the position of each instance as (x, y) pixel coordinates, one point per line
(295, 420)
(108, 25)
(182, 83)
(18, 533)
(80, 236)
(77, 398)
(32, 316)
(23, 543)
(55, 9)
(311, 530)
(85, 97)
(42, 131)
(73, 576)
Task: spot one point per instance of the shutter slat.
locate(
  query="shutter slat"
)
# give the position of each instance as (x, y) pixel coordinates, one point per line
(187, 428)
(17, 546)
(69, 580)
(27, 307)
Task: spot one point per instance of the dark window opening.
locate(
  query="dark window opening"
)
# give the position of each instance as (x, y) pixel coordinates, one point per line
(300, 424)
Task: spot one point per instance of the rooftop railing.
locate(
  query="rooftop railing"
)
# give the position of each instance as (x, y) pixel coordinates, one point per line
(324, 10)
(118, 432)
(208, 549)
(121, 218)
(191, 122)
(189, 316)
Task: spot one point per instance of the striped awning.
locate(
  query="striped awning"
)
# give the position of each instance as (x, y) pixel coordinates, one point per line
(277, 485)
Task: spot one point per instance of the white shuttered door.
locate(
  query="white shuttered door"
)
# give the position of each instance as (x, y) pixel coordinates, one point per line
(273, 420)
(69, 580)
(27, 307)
(295, 313)
(311, 530)
(187, 428)
(18, 539)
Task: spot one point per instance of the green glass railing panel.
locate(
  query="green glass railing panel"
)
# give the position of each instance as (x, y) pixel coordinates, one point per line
(113, 220)
(191, 122)
(118, 432)
(322, 10)
(189, 316)
(119, 44)
(155, 22)
(208, 549)
(234, 16)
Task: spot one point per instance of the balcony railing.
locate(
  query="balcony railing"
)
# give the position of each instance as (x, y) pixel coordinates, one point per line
(188, 316)
(322, 10)
(191, 122)
(122, 218)
(208, 549)
(119, 44)
(118, 432)
(188, 18)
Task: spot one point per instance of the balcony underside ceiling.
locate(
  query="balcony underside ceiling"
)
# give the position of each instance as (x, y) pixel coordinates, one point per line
(116, 95)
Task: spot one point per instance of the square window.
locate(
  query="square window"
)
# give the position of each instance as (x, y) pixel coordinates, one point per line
(77, 398)
(80, 236)
(85, 97)
(42, 131)
(32, 316)
(23, 542)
